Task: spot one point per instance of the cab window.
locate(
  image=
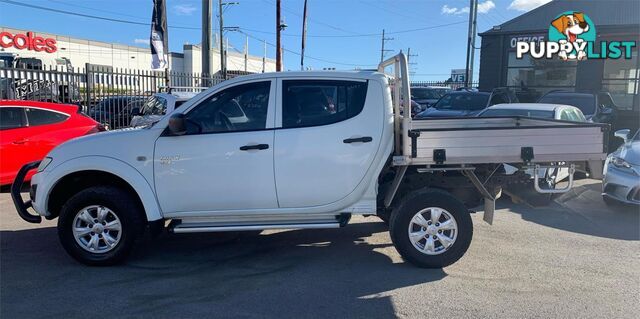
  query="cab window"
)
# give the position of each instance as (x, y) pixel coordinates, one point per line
(321, 102)
(11, 117)
(236, 109)
(43, 117)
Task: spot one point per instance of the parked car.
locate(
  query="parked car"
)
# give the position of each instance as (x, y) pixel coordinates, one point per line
(29, 130)
(539, 110)
(596, 106)
(114, 112)
(157, 106)
(467, 103)
(426, 96)
(315, 148)
(621, 182)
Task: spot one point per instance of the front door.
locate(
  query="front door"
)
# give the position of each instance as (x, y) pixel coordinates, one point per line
(225, 160)
(327, 141)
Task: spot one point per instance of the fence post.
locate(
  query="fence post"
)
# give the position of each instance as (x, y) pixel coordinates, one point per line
(88, 78)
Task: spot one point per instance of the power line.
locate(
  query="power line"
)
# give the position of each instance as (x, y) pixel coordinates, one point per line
(98, 10)
(89, 15)
(306, 56)
(198, 28)
(295, 13)
(362, 34)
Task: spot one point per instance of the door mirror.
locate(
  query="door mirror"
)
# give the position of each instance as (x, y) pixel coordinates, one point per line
(177, 124)
(623, 134)
(135, 111)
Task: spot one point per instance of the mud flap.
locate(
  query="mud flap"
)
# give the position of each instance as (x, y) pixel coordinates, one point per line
(489, 209)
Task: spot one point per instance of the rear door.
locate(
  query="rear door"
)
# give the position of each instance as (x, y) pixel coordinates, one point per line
(326, 141)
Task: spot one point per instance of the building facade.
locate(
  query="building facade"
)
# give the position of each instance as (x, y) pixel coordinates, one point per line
(614, 20)
(52, 50)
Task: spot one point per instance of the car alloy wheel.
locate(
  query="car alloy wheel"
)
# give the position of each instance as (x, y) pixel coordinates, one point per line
(97, 229)
(433, 230)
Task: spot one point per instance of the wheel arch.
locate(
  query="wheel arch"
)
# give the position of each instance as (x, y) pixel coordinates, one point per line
(70, 177)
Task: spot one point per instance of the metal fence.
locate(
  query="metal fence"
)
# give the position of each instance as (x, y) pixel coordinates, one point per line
(107, 94)
(452, 85)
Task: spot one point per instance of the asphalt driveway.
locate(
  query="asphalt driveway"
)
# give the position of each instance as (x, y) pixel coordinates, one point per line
(573, 259)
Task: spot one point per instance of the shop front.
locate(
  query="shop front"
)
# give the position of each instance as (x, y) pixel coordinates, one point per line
(532, 77)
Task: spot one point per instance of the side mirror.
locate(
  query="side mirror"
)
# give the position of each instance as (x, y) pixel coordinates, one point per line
(177, 124)
(623, 134)
(135, 111)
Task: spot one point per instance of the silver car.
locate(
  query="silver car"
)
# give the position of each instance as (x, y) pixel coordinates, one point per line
(621, 183)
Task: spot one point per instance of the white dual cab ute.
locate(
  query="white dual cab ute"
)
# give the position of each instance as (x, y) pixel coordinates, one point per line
(317, 148)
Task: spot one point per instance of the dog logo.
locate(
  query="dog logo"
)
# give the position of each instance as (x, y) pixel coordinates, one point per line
(571, 37)
(574, 28)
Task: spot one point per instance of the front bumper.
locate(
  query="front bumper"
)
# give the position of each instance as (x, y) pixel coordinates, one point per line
(621, 185)
(22, 206)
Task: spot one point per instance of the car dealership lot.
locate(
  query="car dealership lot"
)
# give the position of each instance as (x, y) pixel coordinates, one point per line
(554, 261)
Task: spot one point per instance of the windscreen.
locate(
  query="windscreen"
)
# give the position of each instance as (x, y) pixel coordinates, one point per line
(155, 105)
(525, 113)
(586, 103)
(424, 93)
(463, 102)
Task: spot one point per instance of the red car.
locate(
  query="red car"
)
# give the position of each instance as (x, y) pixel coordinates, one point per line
(30, 129)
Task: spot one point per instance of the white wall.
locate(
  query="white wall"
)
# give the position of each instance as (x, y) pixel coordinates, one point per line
(81, 51)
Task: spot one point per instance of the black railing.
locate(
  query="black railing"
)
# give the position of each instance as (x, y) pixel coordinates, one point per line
(107, 94)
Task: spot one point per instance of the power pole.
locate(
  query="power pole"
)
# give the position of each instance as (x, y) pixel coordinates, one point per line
(471, 42)
(382, 51)
(411, 64)
(304, 35)
(264, 56)
(206, 39)
(246, 52)
(223, 60)
(278, 29)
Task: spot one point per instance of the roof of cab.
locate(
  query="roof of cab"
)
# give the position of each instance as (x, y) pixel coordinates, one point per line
(356, 74)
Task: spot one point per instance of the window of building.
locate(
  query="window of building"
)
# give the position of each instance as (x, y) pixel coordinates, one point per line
(321, 102)
(236, 109)
(540, 75)
(43, 117)
(621, 78)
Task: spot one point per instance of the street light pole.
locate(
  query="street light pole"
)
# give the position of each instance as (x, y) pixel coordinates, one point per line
(471, 42)
(304, 35)
(206, 39)
(278, 28)
(223, 62)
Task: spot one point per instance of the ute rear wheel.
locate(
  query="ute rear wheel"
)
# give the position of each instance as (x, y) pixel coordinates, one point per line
(431, 228)
(98, 226)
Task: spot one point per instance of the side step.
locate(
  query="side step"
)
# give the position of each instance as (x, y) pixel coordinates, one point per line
(210, 225)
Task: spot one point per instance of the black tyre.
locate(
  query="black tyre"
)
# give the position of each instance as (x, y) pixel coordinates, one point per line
(99, 225)
(431, 228)
(384, 215)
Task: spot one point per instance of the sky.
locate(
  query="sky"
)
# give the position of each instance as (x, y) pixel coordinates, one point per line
(340, 34)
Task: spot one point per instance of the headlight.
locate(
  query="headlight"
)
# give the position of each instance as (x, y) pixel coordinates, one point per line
(45, 162)
(619, 162)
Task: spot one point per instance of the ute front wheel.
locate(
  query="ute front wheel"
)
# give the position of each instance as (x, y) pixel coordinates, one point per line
(431, 228)
(99, 225)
